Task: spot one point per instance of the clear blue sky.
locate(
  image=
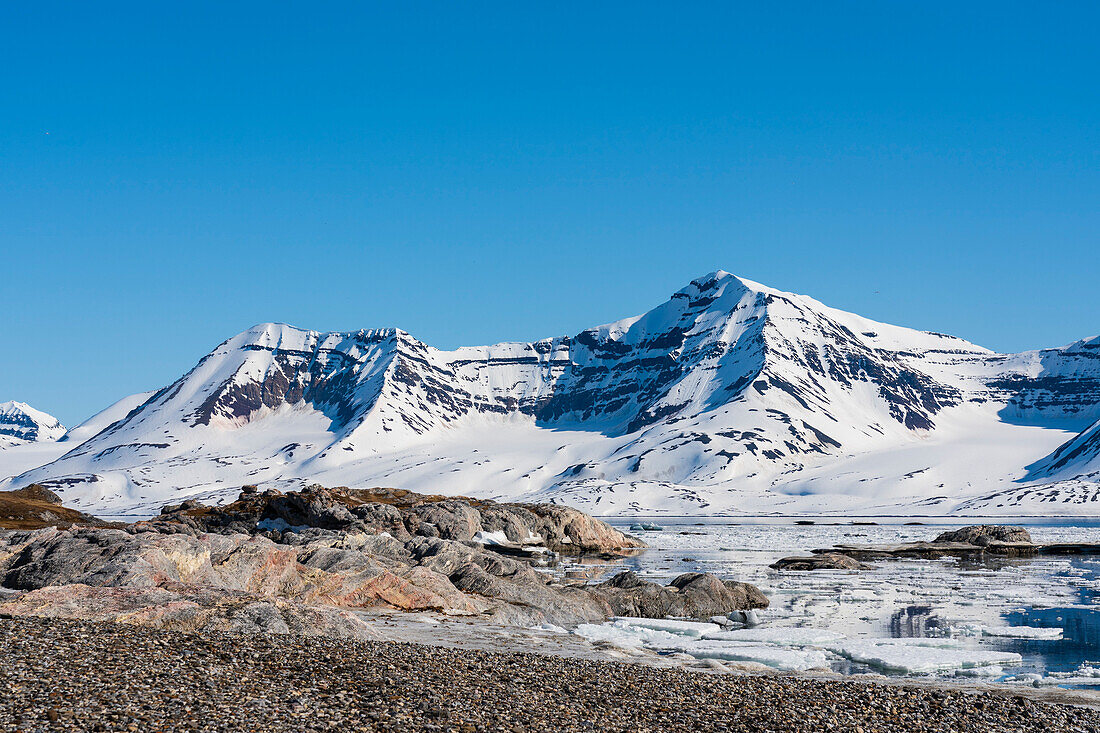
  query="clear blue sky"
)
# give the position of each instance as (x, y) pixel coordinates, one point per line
(171, 173)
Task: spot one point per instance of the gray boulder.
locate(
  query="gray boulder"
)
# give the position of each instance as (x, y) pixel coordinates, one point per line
(824, 561)
(983, 535)
(693, 595)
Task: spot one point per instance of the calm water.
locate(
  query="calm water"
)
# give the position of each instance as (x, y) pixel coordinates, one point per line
(964, 602)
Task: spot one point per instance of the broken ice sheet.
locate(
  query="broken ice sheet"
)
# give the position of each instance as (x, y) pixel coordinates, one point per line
(908, 658)
(782, 658)
(975, 612)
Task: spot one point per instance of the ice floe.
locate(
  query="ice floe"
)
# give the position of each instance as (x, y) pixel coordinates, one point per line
(779, 636)
(1083, 675)
(782, 658)
(673, 626)
(911, 658)
(626, 636)
(1022, 632)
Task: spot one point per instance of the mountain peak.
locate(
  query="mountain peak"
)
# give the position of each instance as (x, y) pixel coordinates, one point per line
(714, 281)
(720, 282)
(22, 422)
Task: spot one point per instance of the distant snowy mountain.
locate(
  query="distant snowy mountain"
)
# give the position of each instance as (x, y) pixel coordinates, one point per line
(21, 423)
(18, 455)
(1078, 457)
(28, 438)
(729, 397)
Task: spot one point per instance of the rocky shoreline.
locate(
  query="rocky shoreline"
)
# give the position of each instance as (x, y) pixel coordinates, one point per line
(302, 561)
(70, 675)
(387, 610)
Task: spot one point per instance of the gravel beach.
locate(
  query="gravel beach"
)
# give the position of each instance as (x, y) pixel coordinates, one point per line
(65, 675)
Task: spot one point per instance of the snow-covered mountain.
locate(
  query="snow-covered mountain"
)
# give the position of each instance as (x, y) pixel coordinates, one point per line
(52, 440)
(21, 423)
(1078, 457)
(28, 438)
(729, 397)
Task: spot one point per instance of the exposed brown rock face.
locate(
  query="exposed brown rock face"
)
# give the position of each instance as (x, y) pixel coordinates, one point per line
(35, 506)
(274, 562)
(37, 492)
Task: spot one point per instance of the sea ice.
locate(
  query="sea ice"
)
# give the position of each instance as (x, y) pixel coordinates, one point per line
(552, 628)
(912, 658)
(751, 617)
(1022, 632)
(626, 636)
(1083, 675)
(781, 658)
(956, 612)
(777, 636)
(992, 671)
(673, 626)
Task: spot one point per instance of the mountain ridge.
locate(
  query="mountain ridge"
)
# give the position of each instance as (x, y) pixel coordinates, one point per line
(729, 396)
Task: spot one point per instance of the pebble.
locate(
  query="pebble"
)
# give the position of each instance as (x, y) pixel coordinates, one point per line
(59, 675)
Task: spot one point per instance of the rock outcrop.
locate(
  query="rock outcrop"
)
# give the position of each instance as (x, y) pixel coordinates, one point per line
(35, 506)
(286, 562)
(984, 535)
(405, 514)
(36, 492)
(695, 595)
(824, 561)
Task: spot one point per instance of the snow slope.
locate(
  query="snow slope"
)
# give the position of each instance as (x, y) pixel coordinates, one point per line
(18, 456)
(729, 397)
(1077, 457)
(28, 438)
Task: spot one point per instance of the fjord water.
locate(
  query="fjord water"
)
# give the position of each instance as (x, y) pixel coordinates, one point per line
(948, 618)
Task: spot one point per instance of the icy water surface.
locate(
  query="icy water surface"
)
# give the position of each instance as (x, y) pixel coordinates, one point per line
(1020, 621)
